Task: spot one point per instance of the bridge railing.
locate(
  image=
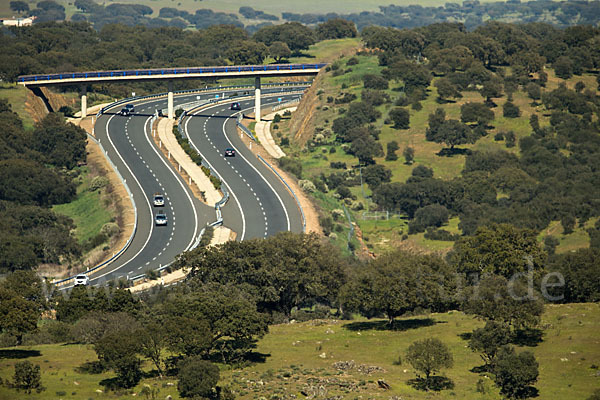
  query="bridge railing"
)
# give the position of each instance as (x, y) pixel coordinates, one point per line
(168, 71)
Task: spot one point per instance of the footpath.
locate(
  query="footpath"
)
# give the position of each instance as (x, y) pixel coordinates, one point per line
(263, 133)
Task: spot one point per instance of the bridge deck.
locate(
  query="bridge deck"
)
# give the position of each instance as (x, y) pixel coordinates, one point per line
(71, 78)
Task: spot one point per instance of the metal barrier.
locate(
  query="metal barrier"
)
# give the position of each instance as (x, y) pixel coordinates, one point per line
(168, 71)
(247, 131)
(285, 105)
(128, 243)
(289, 188)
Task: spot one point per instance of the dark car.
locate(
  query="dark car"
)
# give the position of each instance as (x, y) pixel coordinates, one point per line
(125, 111)
(130, 107)
(229, 153)
(236, 106)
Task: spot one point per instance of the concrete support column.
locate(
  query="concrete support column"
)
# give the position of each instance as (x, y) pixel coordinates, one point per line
(84, 102)
(257, 99)
(170, 112)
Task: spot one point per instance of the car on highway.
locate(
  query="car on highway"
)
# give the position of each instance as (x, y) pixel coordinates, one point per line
(229, 152)
(130, 107)
(160, 219)
(82, 279)
(236, 106)
(125, 111)
(158, 200)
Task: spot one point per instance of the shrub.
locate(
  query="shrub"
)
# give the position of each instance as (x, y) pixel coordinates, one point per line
(109, 229)
(433, 215)
(372, 81)
(510, 110)
(291, 165)
(337, 165)
(277, 118)
(98, 182)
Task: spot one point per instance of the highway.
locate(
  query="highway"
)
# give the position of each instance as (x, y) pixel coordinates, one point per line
(259, 205)
(263, 206)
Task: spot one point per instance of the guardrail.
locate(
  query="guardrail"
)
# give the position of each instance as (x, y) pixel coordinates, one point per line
(200, 90)
(128, 243)
(218, 205)
(285, 105)
(289, 188)
(168, 71)
(247, 131)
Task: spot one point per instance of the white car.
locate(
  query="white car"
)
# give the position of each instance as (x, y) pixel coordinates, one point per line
(160, 219)
(158, 200)
(82, 279)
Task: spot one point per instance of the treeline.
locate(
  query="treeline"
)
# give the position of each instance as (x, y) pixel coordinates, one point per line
(235, 290)
(528, 190)
(471, 13)
(37, 171)
(64, 47)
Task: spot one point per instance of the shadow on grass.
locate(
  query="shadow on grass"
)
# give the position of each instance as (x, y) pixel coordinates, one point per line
(529, 337)
(382, 325)
(449, 152)
(435, 383)
(481, 369)
(19, 353)
(465, 335)
(91, 367)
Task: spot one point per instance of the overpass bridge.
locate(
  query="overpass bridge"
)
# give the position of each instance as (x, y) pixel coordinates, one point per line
(83, 79)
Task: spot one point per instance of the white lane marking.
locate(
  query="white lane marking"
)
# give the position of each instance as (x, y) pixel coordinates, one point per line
(141, 189)
(231, 192)
(287, 217)
(180, 184)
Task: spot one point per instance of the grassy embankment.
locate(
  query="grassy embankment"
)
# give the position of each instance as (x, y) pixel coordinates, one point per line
(380, 235)
(89, 210)
(569, 356)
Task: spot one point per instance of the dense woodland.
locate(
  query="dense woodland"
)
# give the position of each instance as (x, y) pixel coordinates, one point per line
(471, 13)
(37, 170)
(235, 291)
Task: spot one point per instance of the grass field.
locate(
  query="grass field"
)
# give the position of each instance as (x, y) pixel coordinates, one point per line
(16, 96)
(86, 210)
(301, 355)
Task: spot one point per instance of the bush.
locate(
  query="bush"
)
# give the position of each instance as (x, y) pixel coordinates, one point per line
(307, 185)
(67, 111)
(326, 223)
(337, 165)
(372, 81)
(392, 147)
(109, 229)
(178, 112)
(433, 215)
(28, 377)
(291, 165)
(352, 61)
(401, 118)
(345, 193)
(499, 136)
(277, 118)
(441, 234)
(98, 182)
(510, 110)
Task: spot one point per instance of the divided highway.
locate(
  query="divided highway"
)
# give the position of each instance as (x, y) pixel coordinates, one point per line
(259, 205)
(263, 206)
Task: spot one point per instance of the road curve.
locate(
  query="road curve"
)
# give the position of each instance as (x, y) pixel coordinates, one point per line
(260, 205)
(127, 142)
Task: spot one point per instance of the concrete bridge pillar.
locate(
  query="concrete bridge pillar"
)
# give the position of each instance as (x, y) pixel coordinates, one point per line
(257, 99)
(83, 101)
(170, 112)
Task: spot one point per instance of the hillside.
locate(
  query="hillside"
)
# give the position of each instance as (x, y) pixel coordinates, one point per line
(312, 140)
